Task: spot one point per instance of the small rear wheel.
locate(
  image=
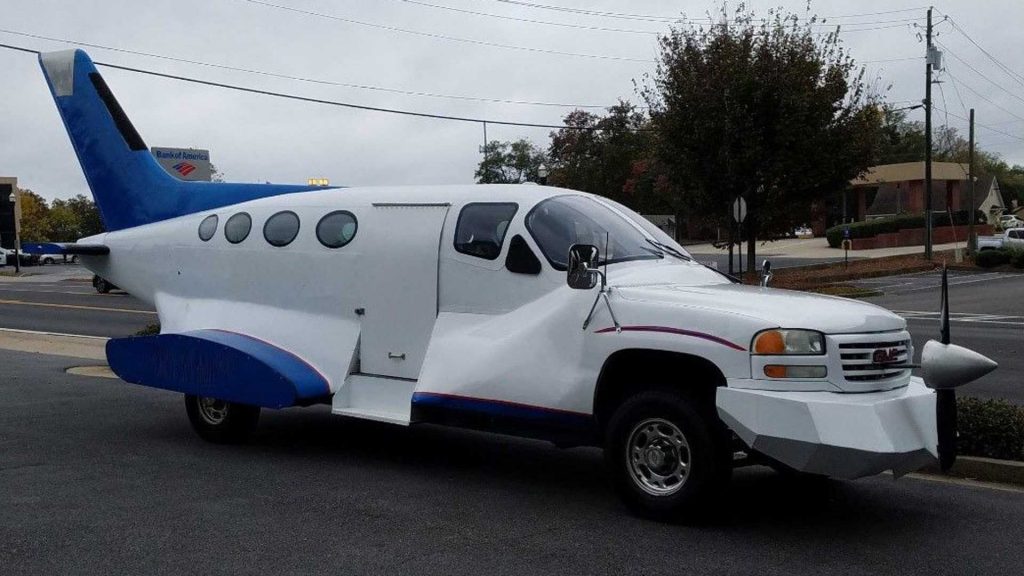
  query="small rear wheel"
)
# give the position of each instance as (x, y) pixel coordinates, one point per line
(220, 421)
(101, 285)
(668, 459)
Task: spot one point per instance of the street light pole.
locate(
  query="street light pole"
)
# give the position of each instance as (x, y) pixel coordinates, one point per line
(17, 229)
(972, 239)
(928, 143)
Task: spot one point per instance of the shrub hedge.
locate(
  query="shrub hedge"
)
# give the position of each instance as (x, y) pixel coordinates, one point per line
(992, 258)
(872, 228)
(990, 428)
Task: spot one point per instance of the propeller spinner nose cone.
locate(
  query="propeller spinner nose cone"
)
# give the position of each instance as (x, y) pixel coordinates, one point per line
(947, 366)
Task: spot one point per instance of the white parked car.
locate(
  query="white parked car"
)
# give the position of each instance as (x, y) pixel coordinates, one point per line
(1007, 221)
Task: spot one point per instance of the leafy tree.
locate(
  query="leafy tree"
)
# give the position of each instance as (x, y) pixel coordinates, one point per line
(87, 215)
(760, 108)
(607, 155)
(510, 163)
(35, 217)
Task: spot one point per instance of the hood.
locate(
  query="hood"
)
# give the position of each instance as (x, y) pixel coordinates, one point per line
(781, 308)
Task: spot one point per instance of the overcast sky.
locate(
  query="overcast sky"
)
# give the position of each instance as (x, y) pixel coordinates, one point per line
(259, 138)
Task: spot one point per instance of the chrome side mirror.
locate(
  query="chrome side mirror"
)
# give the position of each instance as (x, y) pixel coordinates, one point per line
(766, 272)
(581, 272)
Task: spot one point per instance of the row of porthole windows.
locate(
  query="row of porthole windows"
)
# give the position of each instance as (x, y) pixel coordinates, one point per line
(333, 231)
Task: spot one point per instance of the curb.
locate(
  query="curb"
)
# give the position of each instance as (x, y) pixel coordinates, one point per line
(983, 469)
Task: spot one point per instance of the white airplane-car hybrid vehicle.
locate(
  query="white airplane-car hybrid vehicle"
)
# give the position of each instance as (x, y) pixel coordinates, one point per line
(487, 307)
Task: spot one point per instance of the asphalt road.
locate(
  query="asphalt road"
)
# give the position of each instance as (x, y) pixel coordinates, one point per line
(986, 315)
(101, 477)
(70, 307)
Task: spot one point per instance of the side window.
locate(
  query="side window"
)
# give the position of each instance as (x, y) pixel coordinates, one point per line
(281, 228)
(208, 227)
(481, 228)
(1015, 234)
(237, 227)
(520, 258)
(337, 229)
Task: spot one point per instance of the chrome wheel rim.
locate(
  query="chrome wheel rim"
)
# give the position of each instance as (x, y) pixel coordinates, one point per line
(658, 457)
(213, 411)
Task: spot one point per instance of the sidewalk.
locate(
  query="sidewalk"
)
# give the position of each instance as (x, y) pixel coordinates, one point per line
(815, 248)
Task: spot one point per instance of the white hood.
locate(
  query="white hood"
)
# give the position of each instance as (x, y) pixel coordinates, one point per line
(782, 308)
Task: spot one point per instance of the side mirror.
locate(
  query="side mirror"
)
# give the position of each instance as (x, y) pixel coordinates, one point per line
(582, 273)
(766, 272)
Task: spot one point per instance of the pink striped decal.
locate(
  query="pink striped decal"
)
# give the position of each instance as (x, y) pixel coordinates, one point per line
(678, 331)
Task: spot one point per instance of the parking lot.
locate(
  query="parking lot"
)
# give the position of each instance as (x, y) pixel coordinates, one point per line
(98, 476)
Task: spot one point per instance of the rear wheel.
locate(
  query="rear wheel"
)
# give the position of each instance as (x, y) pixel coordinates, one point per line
(47, 260)
(667, 457)
(102, 286)
(220, 421)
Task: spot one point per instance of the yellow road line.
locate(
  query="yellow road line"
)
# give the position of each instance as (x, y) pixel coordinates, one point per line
(75, 307)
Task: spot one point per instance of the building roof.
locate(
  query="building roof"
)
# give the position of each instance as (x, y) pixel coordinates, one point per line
(907, 171)
(892, 200)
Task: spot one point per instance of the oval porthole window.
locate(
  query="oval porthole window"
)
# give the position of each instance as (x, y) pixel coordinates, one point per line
(281, 228)
(237, 227)
(337, 229)
(208, 227)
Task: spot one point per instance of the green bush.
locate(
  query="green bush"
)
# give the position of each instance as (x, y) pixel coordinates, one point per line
(1017, 258)
(872, 228)
(990, 428)
(992, 258)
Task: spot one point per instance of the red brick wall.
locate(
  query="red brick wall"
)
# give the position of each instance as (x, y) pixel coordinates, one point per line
(915, 237)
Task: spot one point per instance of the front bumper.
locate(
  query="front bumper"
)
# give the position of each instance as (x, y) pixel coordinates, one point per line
(836, 434)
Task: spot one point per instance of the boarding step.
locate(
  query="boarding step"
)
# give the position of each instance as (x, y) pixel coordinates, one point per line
(377, 398)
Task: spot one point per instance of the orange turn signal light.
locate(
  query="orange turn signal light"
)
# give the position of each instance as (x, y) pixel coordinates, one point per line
(770, 342)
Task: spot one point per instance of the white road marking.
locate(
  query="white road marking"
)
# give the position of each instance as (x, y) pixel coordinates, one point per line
(969, 317)
(76, 307)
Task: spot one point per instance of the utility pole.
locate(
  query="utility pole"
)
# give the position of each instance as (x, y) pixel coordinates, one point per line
(928, 142)
(972, 240)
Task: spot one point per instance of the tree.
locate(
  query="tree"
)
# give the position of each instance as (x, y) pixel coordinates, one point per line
(510, 162)
(35, 217)
(764, 109)
(87, 215)
(606, 155)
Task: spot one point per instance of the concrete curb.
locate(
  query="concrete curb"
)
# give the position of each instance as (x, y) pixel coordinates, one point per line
(983, 469)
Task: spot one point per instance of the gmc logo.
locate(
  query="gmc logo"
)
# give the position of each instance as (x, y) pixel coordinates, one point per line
(886, 355)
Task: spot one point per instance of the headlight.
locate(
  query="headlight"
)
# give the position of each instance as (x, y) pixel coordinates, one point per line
(782, 341)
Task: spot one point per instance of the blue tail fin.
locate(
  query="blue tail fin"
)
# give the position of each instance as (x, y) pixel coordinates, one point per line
(129, 187)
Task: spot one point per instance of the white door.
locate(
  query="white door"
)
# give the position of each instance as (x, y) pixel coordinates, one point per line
(399, 286)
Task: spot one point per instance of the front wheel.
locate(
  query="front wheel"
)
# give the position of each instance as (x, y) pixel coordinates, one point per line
(668, 459)
(220, 421)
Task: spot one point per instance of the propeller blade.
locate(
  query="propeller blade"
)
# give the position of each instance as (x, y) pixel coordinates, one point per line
(945, 306)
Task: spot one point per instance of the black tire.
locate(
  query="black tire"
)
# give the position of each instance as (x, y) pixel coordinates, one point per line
(709, 464)
(102, 286)
(221, 422)
(47, 261)
(73, 259)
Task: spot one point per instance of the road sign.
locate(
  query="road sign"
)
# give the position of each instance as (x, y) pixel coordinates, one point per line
(846, 232)
(739, 209)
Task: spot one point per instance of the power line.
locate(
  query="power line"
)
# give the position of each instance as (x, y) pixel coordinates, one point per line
(659, 18)
(976, 71)
(979, 95)
(529, 20)
(985, 126)
(301, 78)
(322, 101)
(443, 36)
(1009, 71)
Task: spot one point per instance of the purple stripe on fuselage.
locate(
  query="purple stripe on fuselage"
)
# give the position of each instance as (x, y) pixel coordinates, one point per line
(678, 331)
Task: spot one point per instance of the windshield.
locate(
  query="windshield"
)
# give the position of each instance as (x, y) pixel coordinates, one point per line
(558, 223)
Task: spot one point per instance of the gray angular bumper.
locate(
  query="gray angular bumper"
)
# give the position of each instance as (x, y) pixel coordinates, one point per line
(834, 434)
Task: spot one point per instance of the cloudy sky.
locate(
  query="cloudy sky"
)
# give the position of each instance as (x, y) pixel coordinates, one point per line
(509, 51)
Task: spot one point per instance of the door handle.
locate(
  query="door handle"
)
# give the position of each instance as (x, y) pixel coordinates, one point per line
(395, 356)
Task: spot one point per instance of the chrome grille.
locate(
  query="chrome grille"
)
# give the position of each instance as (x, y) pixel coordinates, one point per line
(859, 363)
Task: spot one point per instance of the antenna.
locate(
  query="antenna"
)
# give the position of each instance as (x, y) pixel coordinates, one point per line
(604, 279)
